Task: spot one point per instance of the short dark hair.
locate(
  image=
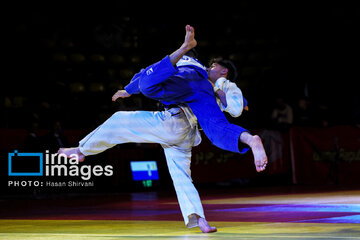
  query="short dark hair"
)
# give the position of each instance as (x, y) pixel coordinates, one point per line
(232, 71)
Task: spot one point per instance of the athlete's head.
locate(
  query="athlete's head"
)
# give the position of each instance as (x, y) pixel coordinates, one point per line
(220, 67)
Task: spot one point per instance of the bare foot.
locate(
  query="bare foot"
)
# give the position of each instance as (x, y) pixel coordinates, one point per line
(260, 158)
(205, 227)
(188, 44)
(72, 151)
(190, 41)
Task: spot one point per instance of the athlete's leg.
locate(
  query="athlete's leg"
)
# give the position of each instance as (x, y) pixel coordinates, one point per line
(178, 161)
(188, 44)
(151, 79)
(125, 127)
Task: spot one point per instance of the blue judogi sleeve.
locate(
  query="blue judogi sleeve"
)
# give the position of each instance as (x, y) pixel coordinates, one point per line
(162, 81)
(133, 86)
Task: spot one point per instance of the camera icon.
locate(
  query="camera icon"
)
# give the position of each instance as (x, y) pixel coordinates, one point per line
(25, 164)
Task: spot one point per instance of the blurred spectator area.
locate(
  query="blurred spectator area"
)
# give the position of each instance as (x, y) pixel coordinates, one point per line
(73, 71)
(67, 64)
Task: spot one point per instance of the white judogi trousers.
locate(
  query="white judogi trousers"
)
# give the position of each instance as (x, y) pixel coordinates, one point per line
(169, 128)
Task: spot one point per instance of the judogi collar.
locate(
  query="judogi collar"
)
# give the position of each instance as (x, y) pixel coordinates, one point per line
(186, 61)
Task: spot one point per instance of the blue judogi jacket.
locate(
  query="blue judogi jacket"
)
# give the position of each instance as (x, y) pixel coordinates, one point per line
(189, 84)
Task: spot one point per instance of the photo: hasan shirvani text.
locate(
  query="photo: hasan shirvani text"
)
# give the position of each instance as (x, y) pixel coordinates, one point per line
(69, 184)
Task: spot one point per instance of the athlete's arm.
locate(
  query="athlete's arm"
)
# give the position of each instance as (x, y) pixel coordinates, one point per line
(234, 99)
(222, 96)
(120, 94)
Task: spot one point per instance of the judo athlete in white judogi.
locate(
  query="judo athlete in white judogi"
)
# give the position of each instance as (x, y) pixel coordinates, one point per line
(175, 129)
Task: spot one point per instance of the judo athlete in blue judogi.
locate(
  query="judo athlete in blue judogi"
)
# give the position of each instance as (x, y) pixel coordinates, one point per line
(187, 82)
(180, 83)
(189, 85)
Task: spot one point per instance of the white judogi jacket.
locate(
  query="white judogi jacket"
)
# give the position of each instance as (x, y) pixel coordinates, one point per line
(234, 97)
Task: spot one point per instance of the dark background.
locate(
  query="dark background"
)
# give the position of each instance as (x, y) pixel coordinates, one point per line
(64, 61)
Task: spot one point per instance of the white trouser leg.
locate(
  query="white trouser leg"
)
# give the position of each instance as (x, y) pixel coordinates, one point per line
(178, 161)
(133, 126)
(175, 135)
